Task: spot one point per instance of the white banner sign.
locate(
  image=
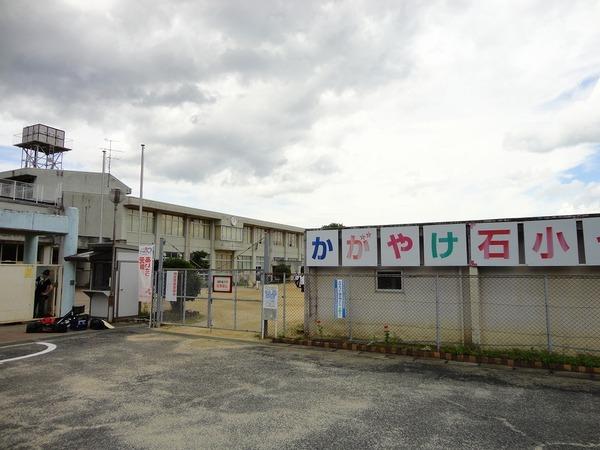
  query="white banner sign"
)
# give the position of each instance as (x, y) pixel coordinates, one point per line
(591, 240)
(445, 245)
(322, 248)
(171, 286)
(551, 243)
(494, 244)
(145, 269)
(359, 247)
(400, 246)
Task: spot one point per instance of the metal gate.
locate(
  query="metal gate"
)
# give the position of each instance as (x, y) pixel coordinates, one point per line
(229, 300)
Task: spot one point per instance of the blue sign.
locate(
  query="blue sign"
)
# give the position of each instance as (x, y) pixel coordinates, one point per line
(340, 298)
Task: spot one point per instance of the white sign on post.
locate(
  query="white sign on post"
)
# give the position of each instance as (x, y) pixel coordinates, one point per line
(270, 296)
(171, 286)
(145, 269)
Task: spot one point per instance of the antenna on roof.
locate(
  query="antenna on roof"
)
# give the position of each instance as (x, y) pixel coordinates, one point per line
(110, 156)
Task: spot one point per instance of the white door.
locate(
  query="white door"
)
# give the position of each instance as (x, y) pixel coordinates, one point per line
(128, 289)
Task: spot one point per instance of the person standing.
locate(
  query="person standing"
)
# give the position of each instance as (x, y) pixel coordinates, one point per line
(302, 282)
(43, 289)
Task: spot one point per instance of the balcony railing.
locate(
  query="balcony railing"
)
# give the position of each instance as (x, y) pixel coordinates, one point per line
(19, 190)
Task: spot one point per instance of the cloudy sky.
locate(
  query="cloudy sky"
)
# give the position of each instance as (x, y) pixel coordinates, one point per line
(306, 113)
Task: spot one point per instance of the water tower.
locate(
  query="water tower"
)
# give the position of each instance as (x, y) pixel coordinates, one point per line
(43, 147)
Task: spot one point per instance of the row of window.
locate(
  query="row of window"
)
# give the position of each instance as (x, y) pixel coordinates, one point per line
(171, 225)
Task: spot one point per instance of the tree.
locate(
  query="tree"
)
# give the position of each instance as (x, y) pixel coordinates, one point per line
(280, 269)
(200, 259)
(332, 226)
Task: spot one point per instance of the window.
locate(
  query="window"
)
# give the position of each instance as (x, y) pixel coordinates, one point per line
(173, 255)
(200, 229)
(259, 234)
(133, 219)
(260, 261)
(231, 234)
(247, 235)
(277, 237)
(223, 261)
(171, 225)
(292, 240)
(389, 280)
(244, 262)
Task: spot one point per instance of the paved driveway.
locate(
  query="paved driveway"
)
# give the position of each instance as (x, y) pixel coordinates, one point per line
(136, 388)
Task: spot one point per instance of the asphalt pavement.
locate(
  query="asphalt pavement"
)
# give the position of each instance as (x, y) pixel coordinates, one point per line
(136, 388)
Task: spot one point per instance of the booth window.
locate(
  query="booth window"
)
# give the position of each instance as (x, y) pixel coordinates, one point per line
(389, 280)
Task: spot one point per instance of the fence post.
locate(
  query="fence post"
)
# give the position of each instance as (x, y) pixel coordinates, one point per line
(236, 277)
(546, 306)
(437, 313)
(284, 298)
(349, 309)
(209, 302)
(185, 272)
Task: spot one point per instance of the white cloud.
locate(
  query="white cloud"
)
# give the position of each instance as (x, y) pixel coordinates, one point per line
(309, 113)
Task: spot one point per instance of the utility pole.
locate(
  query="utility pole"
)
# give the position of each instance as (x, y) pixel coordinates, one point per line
(141, 196)
(102, 195)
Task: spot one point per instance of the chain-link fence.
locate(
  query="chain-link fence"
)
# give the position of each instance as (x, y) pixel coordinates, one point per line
(549, 312)
(234, 303)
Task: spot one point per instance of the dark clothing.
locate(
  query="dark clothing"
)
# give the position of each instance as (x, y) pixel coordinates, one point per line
(40, 304)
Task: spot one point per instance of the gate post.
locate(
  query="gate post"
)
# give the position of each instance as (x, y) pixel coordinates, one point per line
(209, 302)
(284, 297)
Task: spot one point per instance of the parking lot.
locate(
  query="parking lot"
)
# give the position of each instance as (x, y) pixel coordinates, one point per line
(136, 388)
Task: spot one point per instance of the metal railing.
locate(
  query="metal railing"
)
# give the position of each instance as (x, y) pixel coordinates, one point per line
(19, 190)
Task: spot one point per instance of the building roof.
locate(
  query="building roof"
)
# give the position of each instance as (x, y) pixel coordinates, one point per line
(134, 202)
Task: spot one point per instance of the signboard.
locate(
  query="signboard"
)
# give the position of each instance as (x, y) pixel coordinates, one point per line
(145, 269)
(322, 248)
(591, 240)
(400, 246)
(359, 247)
(340, 299)
(494, 244)
(270, 296)
(551, 243)
(445, 245)
(222, 283)
(171, 286)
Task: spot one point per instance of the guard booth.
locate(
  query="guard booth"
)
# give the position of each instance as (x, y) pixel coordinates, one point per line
(100, 257)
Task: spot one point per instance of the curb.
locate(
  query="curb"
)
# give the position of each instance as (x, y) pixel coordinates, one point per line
(472, 359)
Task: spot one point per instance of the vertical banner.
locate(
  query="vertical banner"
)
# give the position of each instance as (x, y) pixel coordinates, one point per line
(145, 268)
(171, 286)
(340, 299)
(270, 296)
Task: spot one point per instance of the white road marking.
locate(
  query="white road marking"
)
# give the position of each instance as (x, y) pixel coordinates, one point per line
(49, 348)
